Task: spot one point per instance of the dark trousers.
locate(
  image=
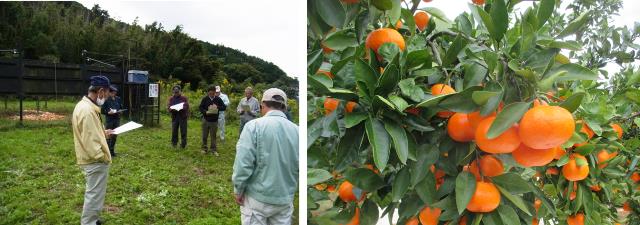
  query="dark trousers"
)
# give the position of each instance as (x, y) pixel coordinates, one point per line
(178, 122)
(111, 142)
(209, 129)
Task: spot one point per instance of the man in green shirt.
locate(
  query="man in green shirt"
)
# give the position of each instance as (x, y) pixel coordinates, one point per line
(265, 171)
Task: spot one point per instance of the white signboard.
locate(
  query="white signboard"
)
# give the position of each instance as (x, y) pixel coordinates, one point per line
(153, 90)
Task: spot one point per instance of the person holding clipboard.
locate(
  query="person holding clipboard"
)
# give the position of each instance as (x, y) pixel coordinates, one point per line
(178, 106)
(248, 108)
(112, 108)
(210, 107)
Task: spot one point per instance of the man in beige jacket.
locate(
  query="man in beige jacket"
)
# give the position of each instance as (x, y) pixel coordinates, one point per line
(92, 151)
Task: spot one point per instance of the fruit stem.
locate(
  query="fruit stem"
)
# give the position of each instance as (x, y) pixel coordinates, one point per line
(478, 165)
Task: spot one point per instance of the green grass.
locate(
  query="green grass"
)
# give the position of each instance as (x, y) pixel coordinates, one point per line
(149, 182)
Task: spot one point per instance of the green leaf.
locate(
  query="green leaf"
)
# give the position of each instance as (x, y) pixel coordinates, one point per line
(400, 184)
(382, 4)
(516, 200)
(418, 58)
(379, 140)
(474, 74)
(361, 24)
(315, 176)
(437, 13)
(481, 97)
(433, 101)
(488, 22)
(364, 179)
(340, 40)
(500, 19)
(394, 13)
(544, 11)
(508, 215)
(369, 213)
(332, 12)
(316, 85)
(343, 94)
(426, 157)
(585, 149)
(399, 137)
(388, 51)
(378, 100)
(314, 61)
(388, 80)
(426, 188)
(407, 16)
(574, 25)
(365, 74)
(465, 188)
(571, 45)
(574, 72)
(410, 90)
(512, 182)
(573, 102)
(581, 162)
(461, 101)
(547, 83)
(354, 118)
(506, 118)
(399, 102)
(457, 45)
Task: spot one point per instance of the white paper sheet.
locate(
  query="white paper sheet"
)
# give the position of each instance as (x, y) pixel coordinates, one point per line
(178, 106)
(127, 127)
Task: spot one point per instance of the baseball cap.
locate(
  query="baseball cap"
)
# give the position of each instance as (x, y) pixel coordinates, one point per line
(113, 88)
(100, 81)
(269, 94)
(217, 88)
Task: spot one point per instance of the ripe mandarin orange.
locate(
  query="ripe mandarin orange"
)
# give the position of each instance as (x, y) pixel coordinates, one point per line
(572, 171)
(536, 204)
(552, 171)
(478, 2)
(486, 198)
(489, 165)
(559, 153)
(330, 105)
(413, 110)
(459, 128)
(618, 129)
(422, 20)
(577, 219)
(326, 73)
(626, 207)
(604, 156)
(507, 142)
(442, 89)
(635, 177)
(546, 127)
(384, 35)
(429, 216)
(398, 24)
(476, 117)
(412, 221)
(463, 220)
(595, 187)
(355, 220)
(345, 191)
(350, 106)
(528, 157)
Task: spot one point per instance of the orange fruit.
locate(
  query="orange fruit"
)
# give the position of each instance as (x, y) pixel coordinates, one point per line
(426, 0)
(398, 24)
(330, 105)
(635, 177)
(326, 73)
(355, 220)
(384, 35)
(486, 198)
(370, 167)
(586, 129)
(413, 110)
(626, 207)
(489, 165)
(536, 204)
(577, 219)
(552, 171)
(345, 191)
(331, 188)
(537, 103)
(422, 19)
(534, 221)
(476, 117)
(528, 157)
(559, 153)
(604, 156)
(572, 171)
(478, 2)
(546, 127)
(618, 129)
(507, 142)
(350, 106)
(442, 89)
(429, 216)
(325, 49)
(412, 221)
(463, 220)
(320, 187)
(595, 188)
(459, 128)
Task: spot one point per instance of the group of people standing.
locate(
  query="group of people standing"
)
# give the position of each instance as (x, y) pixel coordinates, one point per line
(213, 108)
(265, 170)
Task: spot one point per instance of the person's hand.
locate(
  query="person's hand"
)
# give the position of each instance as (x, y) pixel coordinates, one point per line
(108, 132)
(240, 199)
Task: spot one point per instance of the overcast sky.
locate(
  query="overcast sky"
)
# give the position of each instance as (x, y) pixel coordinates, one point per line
(265, 29)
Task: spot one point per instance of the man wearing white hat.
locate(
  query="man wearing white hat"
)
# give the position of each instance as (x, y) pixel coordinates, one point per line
(221, 119)
(265, 171)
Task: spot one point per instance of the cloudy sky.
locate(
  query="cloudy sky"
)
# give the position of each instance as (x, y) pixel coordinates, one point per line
(271, 30)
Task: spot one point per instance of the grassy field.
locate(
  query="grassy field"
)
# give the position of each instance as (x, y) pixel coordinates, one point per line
(149, 182)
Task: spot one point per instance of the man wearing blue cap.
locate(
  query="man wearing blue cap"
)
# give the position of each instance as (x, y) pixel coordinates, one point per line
(92, 151)
(111, 110)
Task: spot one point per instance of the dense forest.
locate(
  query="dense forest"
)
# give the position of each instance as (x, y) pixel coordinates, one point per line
(60, 31)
